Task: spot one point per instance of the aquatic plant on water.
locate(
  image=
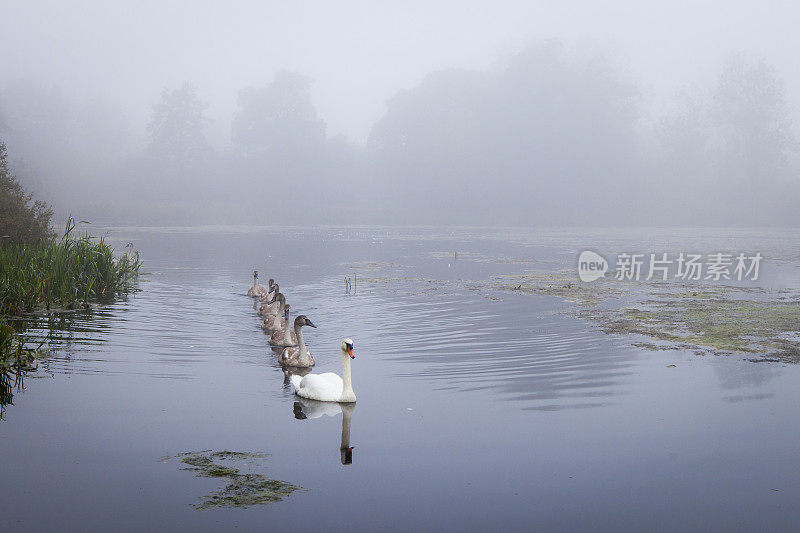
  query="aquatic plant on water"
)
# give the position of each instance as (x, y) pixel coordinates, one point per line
(241, 489)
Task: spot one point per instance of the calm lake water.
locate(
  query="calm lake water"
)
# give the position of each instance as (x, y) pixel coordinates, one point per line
(477, 409)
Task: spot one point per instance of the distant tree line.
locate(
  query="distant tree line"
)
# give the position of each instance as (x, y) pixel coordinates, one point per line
(549, 138)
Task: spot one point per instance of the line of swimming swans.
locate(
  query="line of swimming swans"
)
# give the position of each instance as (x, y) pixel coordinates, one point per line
(327, 387)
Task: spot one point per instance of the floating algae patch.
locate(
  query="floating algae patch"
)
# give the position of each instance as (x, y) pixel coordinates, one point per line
(241, 489)
(715, 319)
(718, 324)
(371, 266)
(517, 261)
(455, 256)
(723, 324)
(401, 279)
(412, 286)
(562, 284)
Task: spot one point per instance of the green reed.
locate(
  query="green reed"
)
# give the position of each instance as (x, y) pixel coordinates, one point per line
(66, 273)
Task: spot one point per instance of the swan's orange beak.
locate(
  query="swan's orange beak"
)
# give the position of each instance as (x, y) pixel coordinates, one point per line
(351, 354)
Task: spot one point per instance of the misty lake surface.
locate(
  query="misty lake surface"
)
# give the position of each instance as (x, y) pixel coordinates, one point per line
(478, 409)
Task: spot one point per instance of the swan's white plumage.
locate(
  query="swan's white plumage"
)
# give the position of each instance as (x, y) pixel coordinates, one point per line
(329, 387)
(325, 387)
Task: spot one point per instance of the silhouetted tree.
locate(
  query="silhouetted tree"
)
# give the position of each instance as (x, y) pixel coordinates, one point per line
(40, 134)
(751, 117)
(726, 153)
(542, 137)
(22, 220)
(281, 146)
(176, 128)
(279, 119)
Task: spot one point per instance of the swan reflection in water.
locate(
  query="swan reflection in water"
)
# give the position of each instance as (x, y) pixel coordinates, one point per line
(304, 408)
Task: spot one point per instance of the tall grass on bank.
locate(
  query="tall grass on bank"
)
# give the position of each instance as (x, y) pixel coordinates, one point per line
(65, 273)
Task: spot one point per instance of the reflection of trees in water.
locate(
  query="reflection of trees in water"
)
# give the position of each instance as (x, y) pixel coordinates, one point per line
(11, 381)
(6, 393)
(63, 330)
(15, 361)
(42, 335)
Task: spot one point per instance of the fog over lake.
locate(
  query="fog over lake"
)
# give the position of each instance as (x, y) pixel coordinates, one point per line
(355, 266)
(469, 113)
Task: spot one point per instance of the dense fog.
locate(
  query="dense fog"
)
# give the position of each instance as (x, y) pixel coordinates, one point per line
(452, 114)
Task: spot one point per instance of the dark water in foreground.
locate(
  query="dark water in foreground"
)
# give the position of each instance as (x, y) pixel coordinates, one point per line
(473, 412)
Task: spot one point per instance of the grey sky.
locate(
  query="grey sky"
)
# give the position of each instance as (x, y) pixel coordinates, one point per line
(361, 52)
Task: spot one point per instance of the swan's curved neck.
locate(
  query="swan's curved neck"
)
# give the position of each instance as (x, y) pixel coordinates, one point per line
(347, 384)
(303, 360)
(287, 334)
(255, 282)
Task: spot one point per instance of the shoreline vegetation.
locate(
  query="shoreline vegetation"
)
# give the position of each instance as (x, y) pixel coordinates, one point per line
(41, 271)
(64, 274)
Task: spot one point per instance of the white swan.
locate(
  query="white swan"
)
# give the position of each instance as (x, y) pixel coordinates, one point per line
(257, 290)
(329, 387)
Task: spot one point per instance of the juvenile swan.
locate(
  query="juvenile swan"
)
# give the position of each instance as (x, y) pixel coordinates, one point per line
(329, 387)
(286, 336)
(272, 290)
(262, 309)
(270, 293)
(274, 307)
(257, 290)
(298, 356)
(276, 322)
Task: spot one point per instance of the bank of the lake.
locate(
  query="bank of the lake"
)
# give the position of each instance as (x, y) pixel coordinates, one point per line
(64, 273)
